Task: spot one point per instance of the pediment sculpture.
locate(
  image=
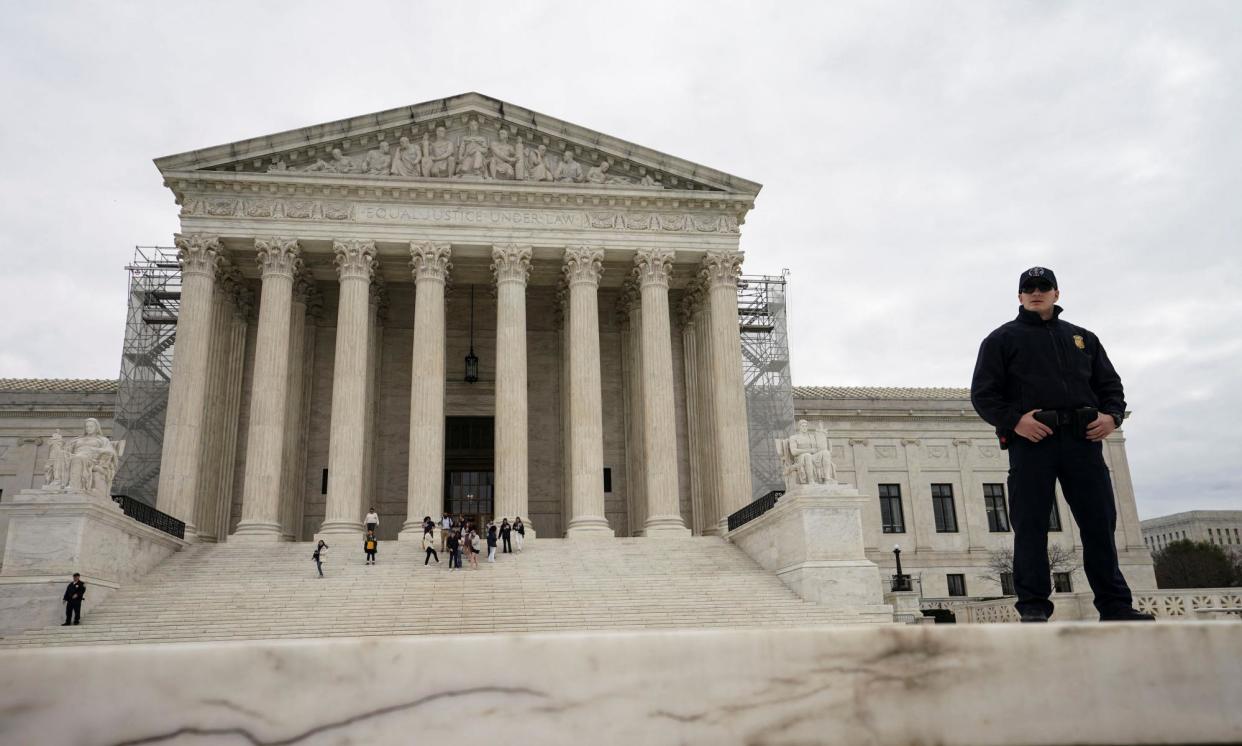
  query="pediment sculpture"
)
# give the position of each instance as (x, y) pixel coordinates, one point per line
(806, 457)
(85, 464)
(471, 155)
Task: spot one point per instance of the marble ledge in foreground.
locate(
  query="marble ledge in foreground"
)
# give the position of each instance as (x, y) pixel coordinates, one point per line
(1074, 683)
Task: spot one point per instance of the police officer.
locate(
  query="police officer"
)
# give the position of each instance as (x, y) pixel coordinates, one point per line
(74, 593)
(1049, 389)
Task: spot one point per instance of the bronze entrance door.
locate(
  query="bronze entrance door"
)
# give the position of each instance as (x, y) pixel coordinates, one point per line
(468, 470)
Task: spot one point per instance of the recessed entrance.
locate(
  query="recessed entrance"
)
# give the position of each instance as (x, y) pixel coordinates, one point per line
(468, 468)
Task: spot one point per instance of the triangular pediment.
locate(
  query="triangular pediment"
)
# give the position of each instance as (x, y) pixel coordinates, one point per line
(462, 139)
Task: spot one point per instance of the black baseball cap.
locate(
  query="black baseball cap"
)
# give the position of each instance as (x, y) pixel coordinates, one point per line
(1034, 274)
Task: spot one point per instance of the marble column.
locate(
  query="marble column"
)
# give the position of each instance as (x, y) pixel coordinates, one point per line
(690, 366)
(376, 307)
(430, 263)
(314, 313)
(279, 260)
(583, 267)
(862, 480)
(974, 509)
(709, 450)
(243, 307)
(630, 310)
(181, 460)
(511, 267)
(720, 273)
(355, 261)
(922, 517)
(652, 268)
(208, 496)
(566, 391)
(293, 478)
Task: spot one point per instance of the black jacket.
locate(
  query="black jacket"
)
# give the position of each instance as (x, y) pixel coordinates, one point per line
(1030, 363)
(75, 591)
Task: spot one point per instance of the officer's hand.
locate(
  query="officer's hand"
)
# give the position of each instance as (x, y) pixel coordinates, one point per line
(1031, 428)
(1101, 428)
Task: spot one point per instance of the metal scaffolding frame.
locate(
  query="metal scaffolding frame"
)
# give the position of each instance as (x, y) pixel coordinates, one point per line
(761, 306)
(146, 368)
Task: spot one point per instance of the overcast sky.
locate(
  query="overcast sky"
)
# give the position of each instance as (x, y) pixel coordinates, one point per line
(915, 157)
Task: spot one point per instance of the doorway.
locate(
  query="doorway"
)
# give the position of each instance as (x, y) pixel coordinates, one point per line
(468, 468)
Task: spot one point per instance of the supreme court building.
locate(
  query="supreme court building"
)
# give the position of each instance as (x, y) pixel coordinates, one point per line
(458, 306)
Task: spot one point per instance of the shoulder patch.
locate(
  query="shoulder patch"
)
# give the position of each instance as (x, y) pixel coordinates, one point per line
(1079, 342)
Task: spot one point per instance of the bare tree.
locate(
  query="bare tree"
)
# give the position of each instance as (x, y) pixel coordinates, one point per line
(1196, 564)
(1000, 562)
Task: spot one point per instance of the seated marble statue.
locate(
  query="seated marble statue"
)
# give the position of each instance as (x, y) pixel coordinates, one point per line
(503, 161)
(806, 457)
(569, 169)
(407, 160)
(439, 155)
(378, 162)
(536, 165)
(472, 153)
(85, 464)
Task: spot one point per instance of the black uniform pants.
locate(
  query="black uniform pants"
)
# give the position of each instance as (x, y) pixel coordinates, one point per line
(73, 609)
(505, 540)
(1034, 469)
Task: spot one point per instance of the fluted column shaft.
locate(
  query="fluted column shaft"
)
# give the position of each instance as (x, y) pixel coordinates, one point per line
(355, 261)
(690, 366)
(430, 263)
(181, 460)
(292, 478)
(511, 267)
(720, 272)
(709, 450)
(213, 422)
(243, 305)
(659, 426)
(265, 445)
(583, 266)
(630, 307)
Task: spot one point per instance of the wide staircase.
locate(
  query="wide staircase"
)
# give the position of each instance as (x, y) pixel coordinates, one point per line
(264, 591)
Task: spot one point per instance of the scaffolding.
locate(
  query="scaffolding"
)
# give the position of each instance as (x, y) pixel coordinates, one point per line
(146, 368)
(761, 306)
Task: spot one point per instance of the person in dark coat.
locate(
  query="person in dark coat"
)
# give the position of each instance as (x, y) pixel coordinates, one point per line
(454, 548)
(74, 593)
(491, 542)
(320, 549)
(506, 532)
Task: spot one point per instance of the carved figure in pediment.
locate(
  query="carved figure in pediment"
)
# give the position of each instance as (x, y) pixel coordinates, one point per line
(378, 162)
(439, 155)
(536, 165)
(646, 179)
(569, 169)
(472, 152)
(339, 164)
(598, 174)
(407, 159)
(807, 457)
(503, 161)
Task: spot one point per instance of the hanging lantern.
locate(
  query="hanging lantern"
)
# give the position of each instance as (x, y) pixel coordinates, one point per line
(472, 360)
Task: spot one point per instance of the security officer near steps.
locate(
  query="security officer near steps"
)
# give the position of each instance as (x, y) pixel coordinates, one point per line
(74, 593)
(1053, 396)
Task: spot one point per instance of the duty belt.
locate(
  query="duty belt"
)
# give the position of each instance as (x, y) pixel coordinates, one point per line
(1073, 421)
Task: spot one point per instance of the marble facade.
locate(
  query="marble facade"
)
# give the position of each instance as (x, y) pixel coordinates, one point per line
(328, 274)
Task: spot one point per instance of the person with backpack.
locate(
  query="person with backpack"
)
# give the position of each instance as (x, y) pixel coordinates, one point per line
(370, 545)
(491, 542)
(318, 556)
(429, 544)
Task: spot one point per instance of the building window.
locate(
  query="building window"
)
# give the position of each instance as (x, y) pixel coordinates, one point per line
(1062, 582)
(994, 502)
(1007, 584)
(607, 479)
(1054, 520)
(957, 584)
(942, 503)
(891, 517)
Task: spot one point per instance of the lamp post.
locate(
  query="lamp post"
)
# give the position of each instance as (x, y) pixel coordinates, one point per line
(472, 361)
(901, 582)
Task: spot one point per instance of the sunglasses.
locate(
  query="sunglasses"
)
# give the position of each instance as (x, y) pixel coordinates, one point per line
(1043, 287)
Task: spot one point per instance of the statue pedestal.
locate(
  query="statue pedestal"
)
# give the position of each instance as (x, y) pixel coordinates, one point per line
(53, 534)
(813, 541)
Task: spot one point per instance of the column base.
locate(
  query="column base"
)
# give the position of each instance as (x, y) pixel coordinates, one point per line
(340, 529)
(587, 527)
(257, 532)
(665, 526)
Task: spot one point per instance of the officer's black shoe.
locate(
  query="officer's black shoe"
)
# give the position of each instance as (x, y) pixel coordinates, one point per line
(1127, 615)
(66, 624)
(1034, 616)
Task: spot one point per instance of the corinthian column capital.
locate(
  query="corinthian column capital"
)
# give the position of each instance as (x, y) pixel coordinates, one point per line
(303, 286)
(721, 268)
(629, 299)
(354, 259)
(583, 264)
(430, 260)
(278, 257)
(199, 253)
(651, 267)
(511, 263)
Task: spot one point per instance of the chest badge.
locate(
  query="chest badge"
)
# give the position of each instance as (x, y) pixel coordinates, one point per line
(1079, 343)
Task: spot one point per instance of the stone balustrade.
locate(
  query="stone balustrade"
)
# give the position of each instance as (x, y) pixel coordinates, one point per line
(1175, 604)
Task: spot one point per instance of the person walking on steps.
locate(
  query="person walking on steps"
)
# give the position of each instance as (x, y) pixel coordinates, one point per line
(446, 525)
(429, 544)
(474, 546)
(74, 593)
(320, 550)
(370, 545)
(519, 528)
(372, 520)
(491, 542)
(1053, 396)
(506, 533)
